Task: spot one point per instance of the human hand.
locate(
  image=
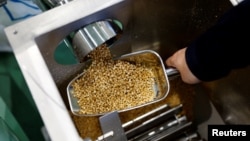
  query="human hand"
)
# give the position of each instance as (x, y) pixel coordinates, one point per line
(178, 61)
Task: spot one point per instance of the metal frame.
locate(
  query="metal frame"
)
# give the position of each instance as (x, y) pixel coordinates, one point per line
(37, 37)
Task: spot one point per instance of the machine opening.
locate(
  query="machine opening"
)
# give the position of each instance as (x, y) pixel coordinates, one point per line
(78, 45)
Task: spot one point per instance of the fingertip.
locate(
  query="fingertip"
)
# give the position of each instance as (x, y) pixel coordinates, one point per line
(168, 62)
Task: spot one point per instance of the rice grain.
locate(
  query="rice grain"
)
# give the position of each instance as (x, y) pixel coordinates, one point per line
(109, 85)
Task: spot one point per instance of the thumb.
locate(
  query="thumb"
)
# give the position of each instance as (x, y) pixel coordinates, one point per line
(169, 62)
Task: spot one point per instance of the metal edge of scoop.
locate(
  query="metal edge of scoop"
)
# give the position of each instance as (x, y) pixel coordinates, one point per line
(73, 101)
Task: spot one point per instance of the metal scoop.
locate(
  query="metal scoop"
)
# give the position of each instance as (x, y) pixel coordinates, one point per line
(148, 57)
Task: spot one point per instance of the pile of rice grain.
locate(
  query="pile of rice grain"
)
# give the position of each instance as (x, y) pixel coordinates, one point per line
(109, 85)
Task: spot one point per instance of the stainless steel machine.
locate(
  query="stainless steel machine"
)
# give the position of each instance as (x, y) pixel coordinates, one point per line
(159, 25)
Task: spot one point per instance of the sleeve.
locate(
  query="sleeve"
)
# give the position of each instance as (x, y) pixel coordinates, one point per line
(222, 47)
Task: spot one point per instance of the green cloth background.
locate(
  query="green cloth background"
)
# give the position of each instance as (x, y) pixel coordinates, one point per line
(17, 105)
(18, 112)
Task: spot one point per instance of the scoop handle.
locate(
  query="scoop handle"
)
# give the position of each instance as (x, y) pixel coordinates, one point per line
(171, 72)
